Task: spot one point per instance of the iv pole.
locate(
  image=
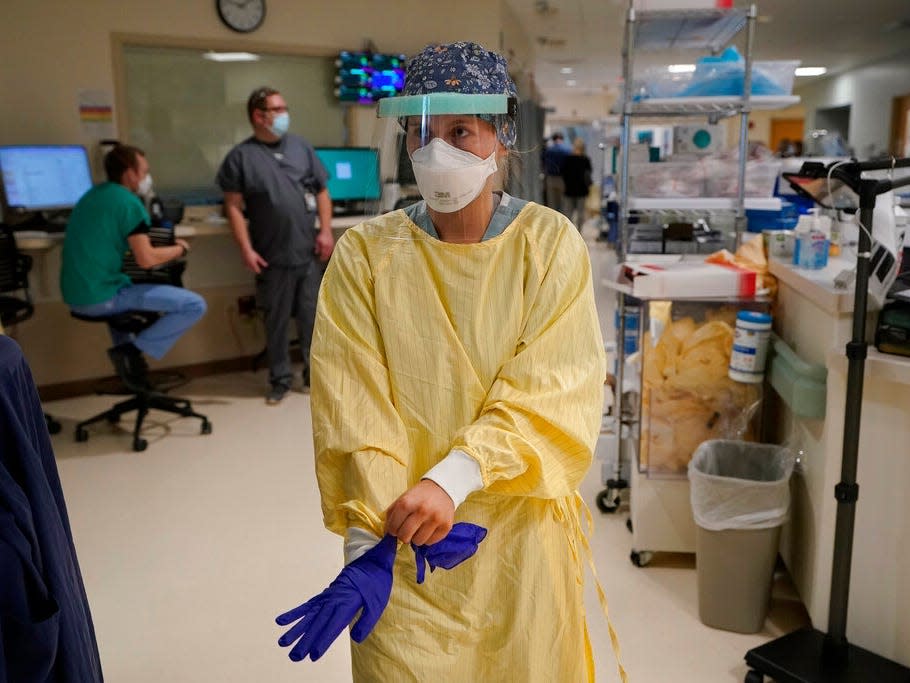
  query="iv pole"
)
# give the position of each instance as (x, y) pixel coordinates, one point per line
(809, 655)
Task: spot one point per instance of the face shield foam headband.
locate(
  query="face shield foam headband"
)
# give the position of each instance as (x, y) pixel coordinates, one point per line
(500, 111)
(450, 178)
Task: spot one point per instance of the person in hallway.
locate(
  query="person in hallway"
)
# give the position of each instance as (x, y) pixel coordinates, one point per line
(553, 157)
(785, 148)
(106, 222)
(576, 173)
(274, 180)
(458, 371)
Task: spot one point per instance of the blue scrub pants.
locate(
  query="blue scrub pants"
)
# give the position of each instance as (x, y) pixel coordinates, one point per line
(179, 308)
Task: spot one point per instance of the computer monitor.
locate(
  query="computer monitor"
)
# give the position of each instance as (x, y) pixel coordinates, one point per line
(353, 173)
(366, 77)
(43, 177)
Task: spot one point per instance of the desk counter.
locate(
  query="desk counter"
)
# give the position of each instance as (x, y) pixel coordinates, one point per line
(815, 319)
(40, 241)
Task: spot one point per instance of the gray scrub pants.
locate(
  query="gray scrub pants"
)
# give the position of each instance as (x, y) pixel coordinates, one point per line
(555, 188)
(283, 293)
(574, 208)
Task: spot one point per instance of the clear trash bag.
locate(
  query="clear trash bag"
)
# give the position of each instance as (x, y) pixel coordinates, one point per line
(740, 485)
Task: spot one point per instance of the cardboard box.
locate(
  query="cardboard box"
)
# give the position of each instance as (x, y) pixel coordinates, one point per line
(689, 279)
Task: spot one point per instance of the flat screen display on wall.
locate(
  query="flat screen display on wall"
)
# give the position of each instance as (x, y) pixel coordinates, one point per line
(365, 77)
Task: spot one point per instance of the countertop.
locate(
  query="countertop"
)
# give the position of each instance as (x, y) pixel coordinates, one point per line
(818, 285)
(40, 241)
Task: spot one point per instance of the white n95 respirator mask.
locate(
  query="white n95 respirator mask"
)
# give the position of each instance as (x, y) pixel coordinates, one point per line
(449, 178)
(145, 186)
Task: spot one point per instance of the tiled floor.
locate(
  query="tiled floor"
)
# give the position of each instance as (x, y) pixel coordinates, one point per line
(191, 548)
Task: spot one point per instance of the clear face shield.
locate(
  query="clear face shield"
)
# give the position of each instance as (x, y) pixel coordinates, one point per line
(449, 150)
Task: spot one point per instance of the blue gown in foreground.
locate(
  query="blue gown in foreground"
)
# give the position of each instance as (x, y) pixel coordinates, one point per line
(46, 631)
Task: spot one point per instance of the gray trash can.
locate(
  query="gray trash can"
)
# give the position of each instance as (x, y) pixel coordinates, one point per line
(740, 495)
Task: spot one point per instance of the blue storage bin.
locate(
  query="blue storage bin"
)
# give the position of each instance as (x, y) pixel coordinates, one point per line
(762, 219)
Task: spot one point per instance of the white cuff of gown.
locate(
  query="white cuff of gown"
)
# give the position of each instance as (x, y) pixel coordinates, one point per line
(357, 542)
(458, 474)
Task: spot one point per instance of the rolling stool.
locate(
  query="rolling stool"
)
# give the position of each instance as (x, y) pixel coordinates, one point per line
(144, 398)
(14, 269)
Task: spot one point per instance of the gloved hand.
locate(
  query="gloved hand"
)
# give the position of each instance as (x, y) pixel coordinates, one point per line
(458, 545)
(365, 583)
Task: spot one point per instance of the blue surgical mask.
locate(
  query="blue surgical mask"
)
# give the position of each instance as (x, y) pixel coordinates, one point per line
(280, 124)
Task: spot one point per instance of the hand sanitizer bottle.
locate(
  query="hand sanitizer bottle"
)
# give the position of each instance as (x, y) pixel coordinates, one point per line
(801, 237)
(814, 248)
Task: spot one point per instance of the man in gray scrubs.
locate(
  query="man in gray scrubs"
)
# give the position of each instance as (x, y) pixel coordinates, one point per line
(278, 179)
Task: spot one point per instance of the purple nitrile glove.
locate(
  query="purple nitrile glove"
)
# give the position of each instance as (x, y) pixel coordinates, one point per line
(460, 544)
(365, 583)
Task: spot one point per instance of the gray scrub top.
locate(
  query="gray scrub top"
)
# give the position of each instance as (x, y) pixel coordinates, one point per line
(503, 215)
(274, 179)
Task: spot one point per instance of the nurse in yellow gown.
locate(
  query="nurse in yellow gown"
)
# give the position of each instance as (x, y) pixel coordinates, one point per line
(457, 375)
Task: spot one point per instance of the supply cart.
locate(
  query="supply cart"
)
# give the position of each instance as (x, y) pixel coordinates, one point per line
(680, 395)
(659, 498)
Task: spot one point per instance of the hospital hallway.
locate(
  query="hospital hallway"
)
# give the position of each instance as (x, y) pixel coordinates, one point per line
(190, 549)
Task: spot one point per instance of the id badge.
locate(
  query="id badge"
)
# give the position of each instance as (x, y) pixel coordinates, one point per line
(310, 200)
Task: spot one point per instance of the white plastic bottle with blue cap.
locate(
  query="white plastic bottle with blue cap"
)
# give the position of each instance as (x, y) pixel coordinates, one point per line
(812, 240)
(750, 347)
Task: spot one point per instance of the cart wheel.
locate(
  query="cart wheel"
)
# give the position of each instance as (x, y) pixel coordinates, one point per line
(140, 445)
(607, 501)
(206, 427)
(629, 524)
(754, 677)
(81, 435)
(618, 484)
(641, 559)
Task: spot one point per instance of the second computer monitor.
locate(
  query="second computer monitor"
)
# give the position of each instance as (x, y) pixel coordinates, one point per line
(353, 173)
(43, 177)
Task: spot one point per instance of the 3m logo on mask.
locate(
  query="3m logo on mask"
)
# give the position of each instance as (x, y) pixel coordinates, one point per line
(442, 195)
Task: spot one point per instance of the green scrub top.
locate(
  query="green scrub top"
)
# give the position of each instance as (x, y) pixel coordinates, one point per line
(95, 242)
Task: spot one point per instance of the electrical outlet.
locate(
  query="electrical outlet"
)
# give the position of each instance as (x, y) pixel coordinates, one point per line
(246, 305)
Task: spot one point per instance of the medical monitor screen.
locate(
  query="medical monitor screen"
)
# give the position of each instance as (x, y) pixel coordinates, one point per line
(365, 77)
(44, 177)
(353, 172)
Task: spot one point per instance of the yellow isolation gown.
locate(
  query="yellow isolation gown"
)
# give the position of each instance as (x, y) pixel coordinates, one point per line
(493, 348)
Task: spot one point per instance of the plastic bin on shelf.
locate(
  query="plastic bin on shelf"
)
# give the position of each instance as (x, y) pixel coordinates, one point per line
(725, 78)
(784, 218)
(780, 72)
(658, 81)
(722, 177)
(677, 179)
(717, 79)
(740, 495)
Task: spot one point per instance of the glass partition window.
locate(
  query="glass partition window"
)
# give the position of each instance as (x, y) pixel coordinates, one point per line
(186, 111)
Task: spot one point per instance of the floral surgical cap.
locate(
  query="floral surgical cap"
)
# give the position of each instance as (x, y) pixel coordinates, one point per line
(468, 68)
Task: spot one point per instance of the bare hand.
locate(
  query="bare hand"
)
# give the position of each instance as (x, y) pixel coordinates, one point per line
(253, 261)
(325, 244)
(180, 242)
(422, 515)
